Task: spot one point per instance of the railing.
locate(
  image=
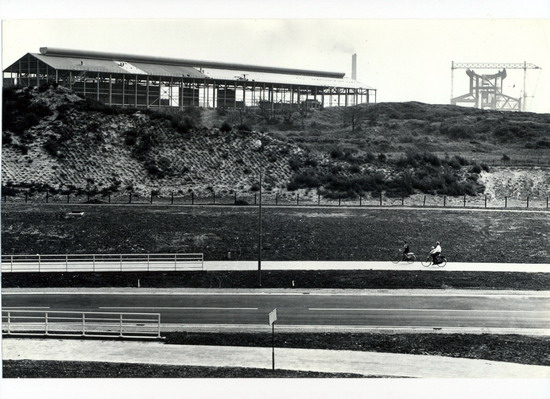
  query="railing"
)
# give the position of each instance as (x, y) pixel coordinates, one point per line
(81, 324)
(101, 263)
(541, 202)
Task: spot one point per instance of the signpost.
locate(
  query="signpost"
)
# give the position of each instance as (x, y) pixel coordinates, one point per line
(272, 320)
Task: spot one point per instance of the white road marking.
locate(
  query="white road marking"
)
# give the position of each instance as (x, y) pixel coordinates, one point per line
(421, 310)
(173, 308)
(24, 307)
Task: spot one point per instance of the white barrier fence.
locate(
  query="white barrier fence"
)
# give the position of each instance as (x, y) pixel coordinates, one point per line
(101, 263)
(81, 324)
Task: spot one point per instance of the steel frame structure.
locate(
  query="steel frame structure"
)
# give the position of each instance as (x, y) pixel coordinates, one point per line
(150, 91)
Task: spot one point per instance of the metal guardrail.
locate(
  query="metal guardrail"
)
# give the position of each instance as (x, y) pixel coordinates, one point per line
(81, 324)
(101, 262)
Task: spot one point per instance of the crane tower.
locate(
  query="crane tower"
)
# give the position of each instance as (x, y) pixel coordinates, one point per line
(486, 89)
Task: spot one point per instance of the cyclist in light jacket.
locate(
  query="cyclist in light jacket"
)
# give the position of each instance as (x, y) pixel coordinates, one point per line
(435, 252)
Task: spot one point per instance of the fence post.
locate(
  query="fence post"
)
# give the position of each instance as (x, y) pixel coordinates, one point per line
(121, 324)
(9, 323)
(46, 323)
(527, 201)
(298, 199)
(172, 199)
(66, 263)
(151, 200)
(485, 201)
(120, 262)
(148, 255)
(402, 201)
(339, 201)
(444, 201)
(276, 198)
(235, 201)
(318, 199)
(68, 198)
(11, 263)
(360, 200)
(93, 262)
(464, 200)
(192, 198)
(158, 321)
(424, 203)
(38, 263)
(255, 195)
(83, 324)
(380, 199)
(505, 202)
(175, 263)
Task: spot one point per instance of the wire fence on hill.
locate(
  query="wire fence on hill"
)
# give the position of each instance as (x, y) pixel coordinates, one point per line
(274, 199)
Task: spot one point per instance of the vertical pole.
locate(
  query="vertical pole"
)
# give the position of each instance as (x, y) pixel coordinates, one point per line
(235, 200)
(158, 323)
(121, 325)
(93, 262)
(255, 199)
(339, 201)
(464, 200)
(39, 263)
(424, 203)
(402, 201)
(260, 235)
(298, 199)
(273, 345)
(318, 199)
(360, 200)
(109, 198)
(485, 201)
(68, 198)
(67, 263)
(148, 256)
(9, 315)
(444, 201)
(120, 262)
(46, 323)
(192, 198)
(527, 201)
(380, 199)
(151, 200)
(172, 199)
(505, 202)
(83, 324)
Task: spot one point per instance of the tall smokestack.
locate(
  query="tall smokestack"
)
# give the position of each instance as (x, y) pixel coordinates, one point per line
(354, 66)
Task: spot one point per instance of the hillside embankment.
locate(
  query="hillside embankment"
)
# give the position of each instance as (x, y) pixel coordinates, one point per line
(55, 141)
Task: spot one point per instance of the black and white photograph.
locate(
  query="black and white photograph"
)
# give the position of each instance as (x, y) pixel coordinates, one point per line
(336, 204)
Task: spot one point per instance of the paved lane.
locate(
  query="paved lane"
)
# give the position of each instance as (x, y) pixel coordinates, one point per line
(318, 308)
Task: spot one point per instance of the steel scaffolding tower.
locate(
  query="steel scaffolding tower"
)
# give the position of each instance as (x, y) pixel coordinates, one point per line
(489, 87)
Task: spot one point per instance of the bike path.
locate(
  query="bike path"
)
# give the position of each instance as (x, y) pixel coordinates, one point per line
(331, 361)
(378, 265)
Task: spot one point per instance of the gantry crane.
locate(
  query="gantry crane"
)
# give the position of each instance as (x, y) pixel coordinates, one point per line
(486, 90)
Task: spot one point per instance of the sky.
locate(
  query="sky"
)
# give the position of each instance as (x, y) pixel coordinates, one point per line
(404, 59)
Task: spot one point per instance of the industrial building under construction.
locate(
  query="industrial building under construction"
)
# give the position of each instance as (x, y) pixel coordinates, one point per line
(145, 81)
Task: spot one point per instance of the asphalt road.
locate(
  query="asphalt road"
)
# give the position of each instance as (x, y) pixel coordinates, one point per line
(390, 309)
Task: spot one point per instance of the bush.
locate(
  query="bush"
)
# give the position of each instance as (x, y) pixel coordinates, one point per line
(475, 169)
(226, 127)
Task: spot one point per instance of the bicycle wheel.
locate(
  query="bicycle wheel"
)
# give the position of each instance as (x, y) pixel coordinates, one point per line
(396, 260)
(411, 259)
(427, 262)
(442, 263)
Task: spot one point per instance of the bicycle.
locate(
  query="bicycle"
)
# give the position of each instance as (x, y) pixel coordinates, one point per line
(442, 261)
(409, 258)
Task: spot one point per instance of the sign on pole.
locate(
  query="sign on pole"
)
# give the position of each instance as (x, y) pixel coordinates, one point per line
(272, 316)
